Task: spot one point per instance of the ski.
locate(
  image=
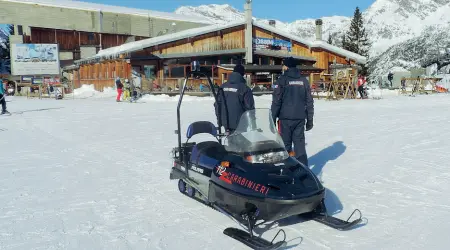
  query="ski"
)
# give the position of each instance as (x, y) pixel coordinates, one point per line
(253, 241)
(334, 222)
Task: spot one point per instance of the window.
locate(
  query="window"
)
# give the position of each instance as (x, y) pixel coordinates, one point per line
(149, 71)
(19, 30)
(177, 71)
(265, 60)
(277, 61)
(210, 61)
(166, 71)
(225, 60)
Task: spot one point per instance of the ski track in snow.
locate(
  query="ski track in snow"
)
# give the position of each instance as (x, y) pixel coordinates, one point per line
(94, 174)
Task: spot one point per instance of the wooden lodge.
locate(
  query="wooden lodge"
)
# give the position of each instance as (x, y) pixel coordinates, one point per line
(162, 61)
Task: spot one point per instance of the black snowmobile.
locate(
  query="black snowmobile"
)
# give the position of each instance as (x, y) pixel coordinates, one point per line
(250, 176)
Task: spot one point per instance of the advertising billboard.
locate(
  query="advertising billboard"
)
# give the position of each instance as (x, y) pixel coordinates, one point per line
(271, 44)
(34, 59)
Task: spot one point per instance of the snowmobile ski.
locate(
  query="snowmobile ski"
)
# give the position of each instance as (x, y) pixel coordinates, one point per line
(253, 241)
(337, 223)
(334, 222)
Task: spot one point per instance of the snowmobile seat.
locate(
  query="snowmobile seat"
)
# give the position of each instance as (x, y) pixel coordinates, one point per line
(208, 153)
(201, 127)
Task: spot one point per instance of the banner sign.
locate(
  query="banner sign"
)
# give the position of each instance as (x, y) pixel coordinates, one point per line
(34, 59)
(26, 78)
(37, 80)
(271, 44)
(51, 80)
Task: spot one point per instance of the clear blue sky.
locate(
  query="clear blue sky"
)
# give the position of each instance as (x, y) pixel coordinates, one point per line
(286, 11)
(283, 10)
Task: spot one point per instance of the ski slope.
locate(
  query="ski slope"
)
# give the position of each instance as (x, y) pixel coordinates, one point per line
(94, 174)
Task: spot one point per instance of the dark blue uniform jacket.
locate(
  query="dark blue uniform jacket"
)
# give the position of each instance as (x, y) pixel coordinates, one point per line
(234, 98)
(292, 99)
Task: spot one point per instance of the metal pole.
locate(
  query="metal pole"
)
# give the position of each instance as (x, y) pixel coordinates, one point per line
(178, 119)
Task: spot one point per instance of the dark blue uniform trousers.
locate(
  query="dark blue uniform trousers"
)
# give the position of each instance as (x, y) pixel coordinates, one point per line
(293, 131)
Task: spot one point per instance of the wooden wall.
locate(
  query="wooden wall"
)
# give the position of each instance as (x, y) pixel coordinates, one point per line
(102, 74)
(69, 40)
(325, 58)
(228, 39)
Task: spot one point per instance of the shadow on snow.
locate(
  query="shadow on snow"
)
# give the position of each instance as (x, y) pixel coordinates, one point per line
(332, 201)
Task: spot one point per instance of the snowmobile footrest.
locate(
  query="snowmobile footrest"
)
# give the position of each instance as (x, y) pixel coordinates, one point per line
(254, 242)
(337, 223)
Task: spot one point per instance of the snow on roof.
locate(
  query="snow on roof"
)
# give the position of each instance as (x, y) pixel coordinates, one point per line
(145, 43)
(149, 42)
(339, 51)
(113, 9)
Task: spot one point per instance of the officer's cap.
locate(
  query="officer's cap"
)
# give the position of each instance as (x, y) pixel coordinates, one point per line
(289, 62)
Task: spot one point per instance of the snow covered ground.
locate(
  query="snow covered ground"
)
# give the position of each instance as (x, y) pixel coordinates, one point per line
(94, 174)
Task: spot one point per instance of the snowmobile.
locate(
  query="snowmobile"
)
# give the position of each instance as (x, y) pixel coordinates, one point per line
(248, 175)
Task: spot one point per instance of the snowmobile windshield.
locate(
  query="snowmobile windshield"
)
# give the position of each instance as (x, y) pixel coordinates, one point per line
(256, 138)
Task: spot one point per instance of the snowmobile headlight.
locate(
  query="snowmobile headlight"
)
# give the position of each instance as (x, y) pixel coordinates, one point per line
(271, 157)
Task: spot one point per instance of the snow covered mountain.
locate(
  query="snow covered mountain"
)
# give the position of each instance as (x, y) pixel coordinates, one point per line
(391, 22)
(415, 52)
(391, 25)
(224, 13)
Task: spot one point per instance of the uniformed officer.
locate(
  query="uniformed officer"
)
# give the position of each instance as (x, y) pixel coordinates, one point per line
(234, 98)
(293, 104)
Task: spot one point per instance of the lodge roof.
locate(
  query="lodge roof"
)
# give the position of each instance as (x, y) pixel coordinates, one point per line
(79, 5)
(114, 52)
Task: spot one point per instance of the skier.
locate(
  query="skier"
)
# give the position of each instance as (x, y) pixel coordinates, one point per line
(292, 104)
(119, 87)
(361, 87)
(234, 97)
(127, 92)
(3, 101)
(403, 84)
(390, 77)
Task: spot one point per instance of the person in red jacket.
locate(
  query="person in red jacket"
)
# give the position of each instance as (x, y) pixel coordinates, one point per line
(119, 86)
(361, 87)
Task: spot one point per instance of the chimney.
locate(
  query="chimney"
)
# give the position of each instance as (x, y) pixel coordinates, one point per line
(319, 29)
(272, 23)
(248, 32)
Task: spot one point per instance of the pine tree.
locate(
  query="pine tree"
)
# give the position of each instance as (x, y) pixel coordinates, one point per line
(5, 49)
(344, 43)
(357, 39)
(4, 37)
(330, 41)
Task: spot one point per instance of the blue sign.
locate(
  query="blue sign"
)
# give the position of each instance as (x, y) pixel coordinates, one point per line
(271, 44)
